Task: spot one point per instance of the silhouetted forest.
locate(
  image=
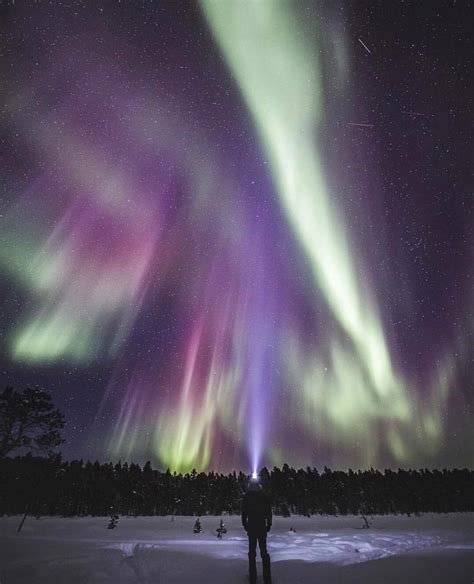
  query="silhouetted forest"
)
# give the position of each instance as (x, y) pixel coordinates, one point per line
(50, 486)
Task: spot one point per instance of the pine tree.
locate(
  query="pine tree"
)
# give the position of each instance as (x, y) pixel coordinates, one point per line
(29, 422)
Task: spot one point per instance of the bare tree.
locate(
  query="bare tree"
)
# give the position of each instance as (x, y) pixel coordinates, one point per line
(29, 422)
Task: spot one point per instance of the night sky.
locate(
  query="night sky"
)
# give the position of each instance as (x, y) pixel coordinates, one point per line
(239, 233)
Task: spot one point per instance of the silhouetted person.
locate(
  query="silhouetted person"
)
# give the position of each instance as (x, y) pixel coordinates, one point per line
(257, 522)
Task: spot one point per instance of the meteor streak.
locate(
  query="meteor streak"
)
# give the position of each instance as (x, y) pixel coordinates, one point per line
(361, 125)
(365, 46)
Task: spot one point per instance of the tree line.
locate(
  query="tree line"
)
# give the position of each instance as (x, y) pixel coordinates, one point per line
(51, 486)
(47, 485)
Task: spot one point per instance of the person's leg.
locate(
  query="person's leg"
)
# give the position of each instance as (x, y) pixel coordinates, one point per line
(252, 558)
(262, 544)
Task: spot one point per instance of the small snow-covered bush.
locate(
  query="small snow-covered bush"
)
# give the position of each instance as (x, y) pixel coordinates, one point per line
(114, 517)
(221, 529)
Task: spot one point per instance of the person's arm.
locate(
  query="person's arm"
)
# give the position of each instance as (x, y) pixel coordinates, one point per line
(269, 516)
(245, 513)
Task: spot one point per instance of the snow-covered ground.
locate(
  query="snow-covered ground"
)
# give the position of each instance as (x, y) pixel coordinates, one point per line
(396, 549)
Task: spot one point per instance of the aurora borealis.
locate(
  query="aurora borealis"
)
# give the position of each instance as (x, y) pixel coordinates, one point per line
(232, 236)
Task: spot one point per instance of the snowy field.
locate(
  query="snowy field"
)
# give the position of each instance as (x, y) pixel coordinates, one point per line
(396, 549)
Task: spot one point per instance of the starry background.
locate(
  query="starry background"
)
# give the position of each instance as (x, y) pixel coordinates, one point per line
(187, 299)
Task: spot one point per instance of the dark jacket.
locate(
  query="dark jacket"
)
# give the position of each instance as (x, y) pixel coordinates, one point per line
(256, 512)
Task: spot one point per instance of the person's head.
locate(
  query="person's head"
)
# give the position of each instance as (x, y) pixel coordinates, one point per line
(254, 484)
